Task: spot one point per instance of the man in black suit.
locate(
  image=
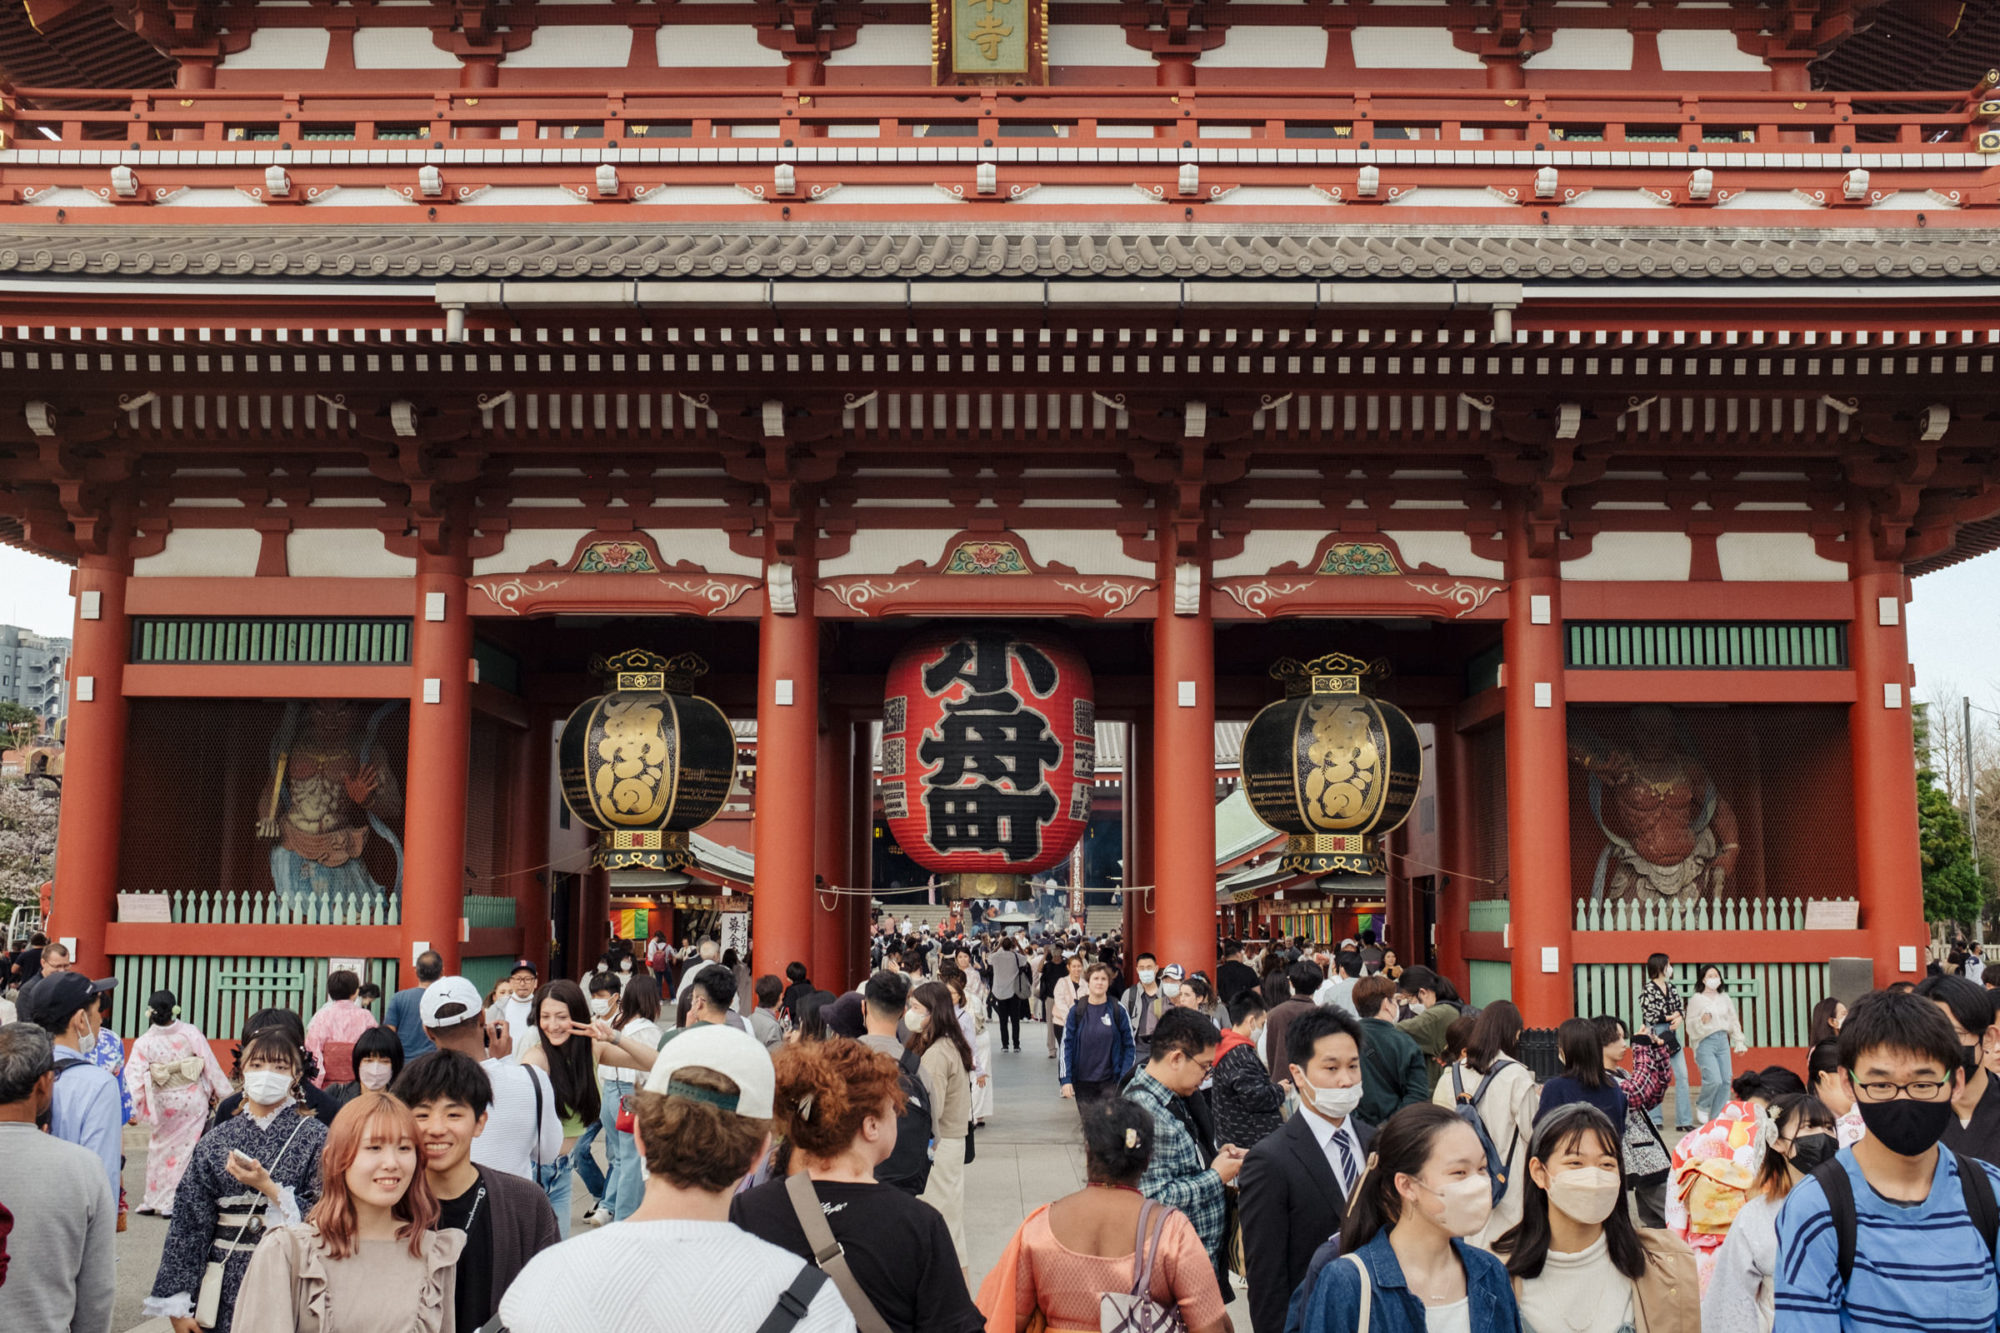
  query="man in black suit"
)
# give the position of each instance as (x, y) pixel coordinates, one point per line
(1295, 1184)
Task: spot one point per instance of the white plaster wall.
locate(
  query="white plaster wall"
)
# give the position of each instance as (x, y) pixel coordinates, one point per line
(885, 551)
(345, 553)
(1450, 550)
(694, 46)
(1095, 44)
(399, 48)
(1584, 48)
(1409, 48)
(283, 48)
(1644, 557)
(1263, 550)
(196, 553)
(583, 46)
(1269, 48)
(1086, 552)
(887, 44)
(1708, 52)
(707, 547)
(530, 546)
(1775, 556)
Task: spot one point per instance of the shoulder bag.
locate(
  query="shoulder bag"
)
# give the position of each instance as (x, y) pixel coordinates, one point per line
(1137, 1311)
(1367, 1292)
(208, 1302)
(829, 1257)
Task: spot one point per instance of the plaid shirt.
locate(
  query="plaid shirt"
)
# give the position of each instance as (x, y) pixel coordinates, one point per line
(1177, 1176)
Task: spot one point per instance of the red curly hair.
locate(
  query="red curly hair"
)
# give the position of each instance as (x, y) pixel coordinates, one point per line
(372, 1117)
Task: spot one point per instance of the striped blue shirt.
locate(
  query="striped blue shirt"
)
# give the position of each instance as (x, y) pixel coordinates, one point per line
(1922, 1267)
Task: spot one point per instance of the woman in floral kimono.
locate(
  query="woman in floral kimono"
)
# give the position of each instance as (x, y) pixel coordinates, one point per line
(257, 1169)
(173, 1079)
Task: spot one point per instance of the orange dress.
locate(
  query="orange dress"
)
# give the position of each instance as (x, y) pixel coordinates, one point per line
(1065, 1285)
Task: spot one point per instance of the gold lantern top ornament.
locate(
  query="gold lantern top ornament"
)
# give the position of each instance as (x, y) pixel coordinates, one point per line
(1329, 673)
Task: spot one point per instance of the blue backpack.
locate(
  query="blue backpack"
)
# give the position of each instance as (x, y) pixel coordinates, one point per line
(1466, 1107)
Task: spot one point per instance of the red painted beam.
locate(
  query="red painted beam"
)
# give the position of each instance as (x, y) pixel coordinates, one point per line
(267, 597)
(269, 682)
(1709, 601)
(1762, 946)
(1694, 687)
(132, 937)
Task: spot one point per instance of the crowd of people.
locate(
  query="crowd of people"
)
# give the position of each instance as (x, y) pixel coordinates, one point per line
(1346, 1137)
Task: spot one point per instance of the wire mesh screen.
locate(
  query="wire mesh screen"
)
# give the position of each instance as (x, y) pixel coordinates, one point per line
(300, 797)
(1486, 751)
(1710, 804)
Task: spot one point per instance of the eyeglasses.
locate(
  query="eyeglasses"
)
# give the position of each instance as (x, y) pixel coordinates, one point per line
(1924, 1090)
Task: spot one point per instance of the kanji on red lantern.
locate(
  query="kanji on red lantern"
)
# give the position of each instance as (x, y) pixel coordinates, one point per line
(988, 750)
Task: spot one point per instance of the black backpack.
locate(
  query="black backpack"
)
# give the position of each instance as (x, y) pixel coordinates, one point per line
(1979, 1206)
(1466, 1107)
(909, 1166)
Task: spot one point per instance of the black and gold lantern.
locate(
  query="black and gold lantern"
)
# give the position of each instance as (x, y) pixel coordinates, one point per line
(1332, 766)
(648, 762)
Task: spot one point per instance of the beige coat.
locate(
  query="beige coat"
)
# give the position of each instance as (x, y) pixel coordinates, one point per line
(1508, 1111)
(294, 1286)
(950, 1088)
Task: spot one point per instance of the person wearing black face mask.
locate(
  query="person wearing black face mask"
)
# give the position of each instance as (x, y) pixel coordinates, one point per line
(1744, 1280)
(1974, 1127)
(1893, 1232)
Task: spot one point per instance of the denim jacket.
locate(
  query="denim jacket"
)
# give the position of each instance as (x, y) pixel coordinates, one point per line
(1335, 1303)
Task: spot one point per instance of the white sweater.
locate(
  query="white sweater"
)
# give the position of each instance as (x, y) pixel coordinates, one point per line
(1708, 1014)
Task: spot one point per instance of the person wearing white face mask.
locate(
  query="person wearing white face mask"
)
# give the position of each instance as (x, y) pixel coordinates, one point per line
(1578, 1263)
(1296, 1182)
(1406, 1266)
(378, 1058)
(1494, 1084)
(257, 1169)
(1146, 1001)
(945, 1068)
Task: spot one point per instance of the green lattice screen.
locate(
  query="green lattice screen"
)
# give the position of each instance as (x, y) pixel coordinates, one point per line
(272, 640)
(1732, 645)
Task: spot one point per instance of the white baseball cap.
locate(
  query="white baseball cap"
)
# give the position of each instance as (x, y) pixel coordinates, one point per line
(449, 1001)
(735, 1055)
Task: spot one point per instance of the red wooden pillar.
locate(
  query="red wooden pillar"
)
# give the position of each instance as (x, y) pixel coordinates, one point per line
(528, 810)
(787, 764)
(592, 919)
(1139, 774)
(87, 838)
(440, 753)
(833, 833)
(1537, 783)
(1887, 861)
(1455, 842)
(861, 854)
(1130, 908)
(1183, 785)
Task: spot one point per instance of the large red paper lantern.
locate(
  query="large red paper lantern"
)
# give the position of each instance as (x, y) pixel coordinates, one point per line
(989, 744)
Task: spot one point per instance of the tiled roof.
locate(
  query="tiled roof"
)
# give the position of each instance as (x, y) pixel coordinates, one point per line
(905, 250)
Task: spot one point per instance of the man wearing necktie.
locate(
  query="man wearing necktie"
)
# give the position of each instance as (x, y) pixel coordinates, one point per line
(1295, 1184)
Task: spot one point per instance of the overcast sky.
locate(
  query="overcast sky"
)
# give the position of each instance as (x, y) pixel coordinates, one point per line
(1954, 621)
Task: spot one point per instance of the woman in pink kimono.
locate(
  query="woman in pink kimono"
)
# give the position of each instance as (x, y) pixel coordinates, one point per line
(174, 1079)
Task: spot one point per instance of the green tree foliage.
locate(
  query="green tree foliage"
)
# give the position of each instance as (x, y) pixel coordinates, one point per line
(1954, 888)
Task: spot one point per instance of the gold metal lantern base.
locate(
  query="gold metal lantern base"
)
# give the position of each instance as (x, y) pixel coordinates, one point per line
(985, 884)
(1321, 854)
(643, 849)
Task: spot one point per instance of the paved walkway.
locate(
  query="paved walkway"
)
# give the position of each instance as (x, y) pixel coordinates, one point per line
(1030, 1152)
